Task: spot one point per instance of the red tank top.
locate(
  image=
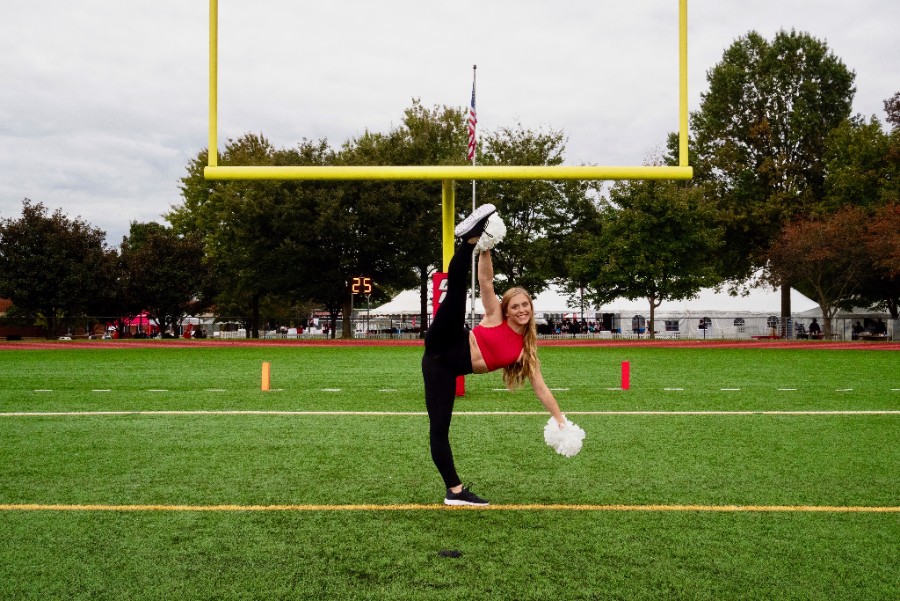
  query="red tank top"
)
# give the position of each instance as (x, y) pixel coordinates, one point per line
(499, 345)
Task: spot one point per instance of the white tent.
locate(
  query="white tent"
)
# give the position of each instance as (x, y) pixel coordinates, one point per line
(728, 316)
(708, 301)
(710, 314)
(759, 301)
(407, 303)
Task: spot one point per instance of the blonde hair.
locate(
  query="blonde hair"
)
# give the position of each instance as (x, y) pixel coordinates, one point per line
(514, 375)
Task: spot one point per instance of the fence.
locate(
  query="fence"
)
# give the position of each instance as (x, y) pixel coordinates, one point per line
(728, 327)
(407, 327)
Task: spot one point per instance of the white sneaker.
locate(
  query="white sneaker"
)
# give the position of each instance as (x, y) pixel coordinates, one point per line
(473, 225)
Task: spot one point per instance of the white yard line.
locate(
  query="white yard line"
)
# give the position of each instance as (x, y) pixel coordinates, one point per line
(423, 413)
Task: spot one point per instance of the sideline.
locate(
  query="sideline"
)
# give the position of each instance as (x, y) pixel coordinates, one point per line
(423, 413)
(436, 507)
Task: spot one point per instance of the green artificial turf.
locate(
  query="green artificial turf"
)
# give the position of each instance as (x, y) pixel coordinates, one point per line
(299, 459)
(517, 555)
(379, 378)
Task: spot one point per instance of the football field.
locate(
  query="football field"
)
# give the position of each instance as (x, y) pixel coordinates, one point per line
(164, 472)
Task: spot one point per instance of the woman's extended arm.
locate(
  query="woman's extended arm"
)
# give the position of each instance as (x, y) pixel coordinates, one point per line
(492, 314)
(545, 396)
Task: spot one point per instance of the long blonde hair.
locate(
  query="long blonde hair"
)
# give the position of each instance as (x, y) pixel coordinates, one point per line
(514, 375)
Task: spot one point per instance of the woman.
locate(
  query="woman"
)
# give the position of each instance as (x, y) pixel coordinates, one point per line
(506, 338)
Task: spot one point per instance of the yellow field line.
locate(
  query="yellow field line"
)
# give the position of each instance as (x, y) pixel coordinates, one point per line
(423, 413)
(436, 507)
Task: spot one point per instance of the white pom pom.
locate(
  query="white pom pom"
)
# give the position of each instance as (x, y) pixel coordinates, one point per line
(566, 441)
(494, 232)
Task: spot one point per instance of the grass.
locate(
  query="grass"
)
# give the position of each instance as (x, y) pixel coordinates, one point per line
(229, 378)
(534, 555)
(271, 459)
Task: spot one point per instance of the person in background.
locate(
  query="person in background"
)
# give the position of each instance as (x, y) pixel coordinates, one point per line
(814, 329)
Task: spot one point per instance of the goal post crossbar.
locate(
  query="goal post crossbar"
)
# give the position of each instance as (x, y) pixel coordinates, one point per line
(446, 172)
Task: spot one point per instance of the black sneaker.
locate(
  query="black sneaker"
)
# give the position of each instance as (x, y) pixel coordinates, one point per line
(463, 497)
(473, 225)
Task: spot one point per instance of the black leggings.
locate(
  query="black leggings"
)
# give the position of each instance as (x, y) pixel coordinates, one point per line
(447, 356)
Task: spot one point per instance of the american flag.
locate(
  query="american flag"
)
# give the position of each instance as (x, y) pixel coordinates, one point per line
(471, 122)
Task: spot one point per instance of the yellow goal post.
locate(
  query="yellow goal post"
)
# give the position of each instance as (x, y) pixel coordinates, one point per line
(446, 172)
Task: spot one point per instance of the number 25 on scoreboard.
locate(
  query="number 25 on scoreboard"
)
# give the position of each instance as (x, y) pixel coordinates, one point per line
(361, 285)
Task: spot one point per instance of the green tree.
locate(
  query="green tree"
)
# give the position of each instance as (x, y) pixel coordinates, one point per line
(53, 267)
(760, 139)
(399, 229)
(862, 165)
(540, 215)
(163, 272)
(249, 229)
(657, 240)
(892, 108)
(427, 136)
(390, 231)
(307, 240)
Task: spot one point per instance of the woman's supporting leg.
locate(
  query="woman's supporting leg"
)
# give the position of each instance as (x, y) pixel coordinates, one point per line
(440, 394)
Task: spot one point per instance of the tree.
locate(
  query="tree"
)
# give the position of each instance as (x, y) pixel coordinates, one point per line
(892, 108)
(249, 229)
(760, 139)
(880, 288)
(862, 165)
(307, 240)
(540, 215)
(863, 169)
(389, 230)
(401, 225)
(824, 257)
(163, 272)
(436, 136)
(52, 266)
(657, 240)
(883, 239)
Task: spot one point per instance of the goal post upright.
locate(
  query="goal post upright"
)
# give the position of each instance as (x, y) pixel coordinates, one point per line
(683, 85)
(213, 156)
(448, 220)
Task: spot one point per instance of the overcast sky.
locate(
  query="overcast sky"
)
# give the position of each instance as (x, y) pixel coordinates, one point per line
(104, 102)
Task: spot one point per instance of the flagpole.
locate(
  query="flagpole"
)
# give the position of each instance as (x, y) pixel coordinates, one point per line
(472, 108)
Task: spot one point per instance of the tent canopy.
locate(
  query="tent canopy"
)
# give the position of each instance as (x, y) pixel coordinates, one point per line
(760, 301)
